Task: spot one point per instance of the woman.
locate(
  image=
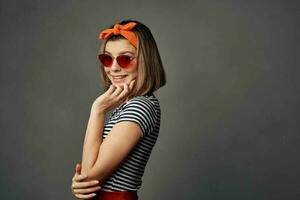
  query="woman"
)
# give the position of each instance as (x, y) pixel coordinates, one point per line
(115, 153)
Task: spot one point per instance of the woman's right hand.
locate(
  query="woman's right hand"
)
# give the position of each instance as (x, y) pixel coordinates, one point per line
(113, 97)
(83, 189)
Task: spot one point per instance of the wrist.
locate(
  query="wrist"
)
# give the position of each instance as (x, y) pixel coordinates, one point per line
(96, 110)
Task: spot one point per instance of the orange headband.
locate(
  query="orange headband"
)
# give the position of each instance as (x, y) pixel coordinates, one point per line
(124, 30)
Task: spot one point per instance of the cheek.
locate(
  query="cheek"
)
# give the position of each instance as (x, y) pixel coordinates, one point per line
(133, 70)
(134, 67)
(106, 70)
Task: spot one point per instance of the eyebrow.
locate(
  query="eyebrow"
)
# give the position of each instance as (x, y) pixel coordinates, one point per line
(122, 52)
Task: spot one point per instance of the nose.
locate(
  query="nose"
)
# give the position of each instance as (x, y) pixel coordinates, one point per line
(115, 66)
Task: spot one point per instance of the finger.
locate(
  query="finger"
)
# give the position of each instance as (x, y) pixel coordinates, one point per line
(81, 185)
(78, 168)
(117, 91)
(124, 92)
(80, 177)
(131, 84)
(111, 89)
(87, 190)
(85, 196)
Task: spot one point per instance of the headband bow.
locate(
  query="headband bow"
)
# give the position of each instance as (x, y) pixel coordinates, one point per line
(124, 30)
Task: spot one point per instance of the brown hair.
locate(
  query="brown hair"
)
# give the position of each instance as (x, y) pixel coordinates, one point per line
(151, 75)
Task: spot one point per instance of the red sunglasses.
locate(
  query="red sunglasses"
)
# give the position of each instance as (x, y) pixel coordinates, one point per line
(123, 60)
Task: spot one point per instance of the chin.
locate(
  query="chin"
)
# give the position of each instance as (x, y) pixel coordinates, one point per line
(121, 83)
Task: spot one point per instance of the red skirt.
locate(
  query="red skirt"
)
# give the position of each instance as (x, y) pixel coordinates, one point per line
(116, 195)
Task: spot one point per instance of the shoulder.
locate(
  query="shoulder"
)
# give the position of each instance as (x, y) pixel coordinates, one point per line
(149, 102)
(144, 110)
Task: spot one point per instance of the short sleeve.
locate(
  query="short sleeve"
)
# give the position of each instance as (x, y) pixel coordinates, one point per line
(141, 111)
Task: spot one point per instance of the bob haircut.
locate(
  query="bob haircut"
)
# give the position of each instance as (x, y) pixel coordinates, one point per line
(151, 75)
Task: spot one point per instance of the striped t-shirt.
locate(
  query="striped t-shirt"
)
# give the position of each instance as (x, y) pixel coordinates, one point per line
(145, 111)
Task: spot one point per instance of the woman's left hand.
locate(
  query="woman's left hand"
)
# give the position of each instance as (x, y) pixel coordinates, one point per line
(81, 188)
(113, 97)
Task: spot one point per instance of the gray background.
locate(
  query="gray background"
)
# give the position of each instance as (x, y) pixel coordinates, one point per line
(230, 109)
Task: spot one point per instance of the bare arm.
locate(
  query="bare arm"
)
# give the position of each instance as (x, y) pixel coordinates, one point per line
(113, 150)
(99, 158)
(93, 139)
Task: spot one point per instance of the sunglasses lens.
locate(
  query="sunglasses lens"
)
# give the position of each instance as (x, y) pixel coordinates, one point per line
(124, 60)
(105, 59)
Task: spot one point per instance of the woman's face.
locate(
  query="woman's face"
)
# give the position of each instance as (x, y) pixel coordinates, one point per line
(116, 74)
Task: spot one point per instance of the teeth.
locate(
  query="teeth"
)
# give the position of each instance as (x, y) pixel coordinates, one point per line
(119, 76)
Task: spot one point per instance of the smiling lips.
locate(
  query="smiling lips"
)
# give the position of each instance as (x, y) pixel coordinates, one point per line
(118, 78)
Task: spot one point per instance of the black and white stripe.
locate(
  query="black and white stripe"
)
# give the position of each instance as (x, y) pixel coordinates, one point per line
(145, 111)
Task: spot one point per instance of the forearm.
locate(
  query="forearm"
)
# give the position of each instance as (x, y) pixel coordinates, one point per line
(99, 172)
(93, 140)
(121, 140)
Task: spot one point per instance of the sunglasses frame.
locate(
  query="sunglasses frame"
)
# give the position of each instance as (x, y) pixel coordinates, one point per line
(117, 59)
